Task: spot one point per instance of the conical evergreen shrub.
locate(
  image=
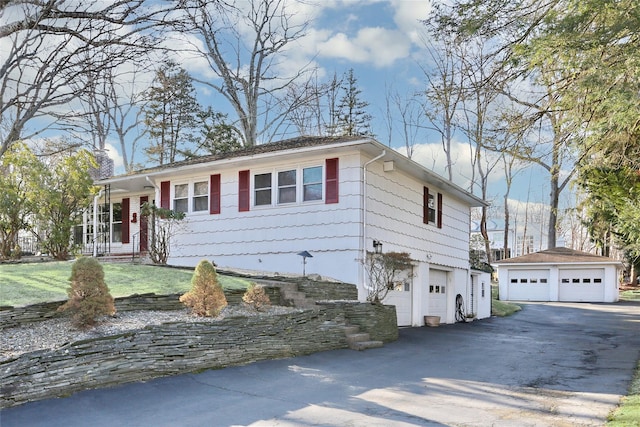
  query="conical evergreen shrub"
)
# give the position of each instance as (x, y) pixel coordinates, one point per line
(89, 295)
(206, 297)
(256, 297)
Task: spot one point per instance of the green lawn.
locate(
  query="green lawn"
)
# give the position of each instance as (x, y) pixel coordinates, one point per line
(31, 283)
(501, 308)
(628, 414)
(630, 295)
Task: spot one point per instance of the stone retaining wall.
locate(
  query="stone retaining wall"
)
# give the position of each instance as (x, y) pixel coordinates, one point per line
(314, 290)
(175, 348)
(11, 317)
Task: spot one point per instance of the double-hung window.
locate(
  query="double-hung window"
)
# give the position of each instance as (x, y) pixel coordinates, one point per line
(432, 208)
(312, 183)
(287, 186)
(262, 189)
(200, 196)
(181, 198)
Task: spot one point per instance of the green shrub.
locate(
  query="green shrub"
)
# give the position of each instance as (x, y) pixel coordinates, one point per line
(206, 297)
(89, 295)
(256, 297)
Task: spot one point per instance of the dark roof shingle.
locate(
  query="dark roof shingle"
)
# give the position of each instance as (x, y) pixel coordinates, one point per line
(559, 255)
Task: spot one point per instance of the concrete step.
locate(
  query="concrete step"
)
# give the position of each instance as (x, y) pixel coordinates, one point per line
(365, 345)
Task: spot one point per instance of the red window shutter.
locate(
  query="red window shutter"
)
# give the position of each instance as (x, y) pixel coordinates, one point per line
(165, 194)
(125, 220)
(243, 191)
(439, 211)
(331, 181)
(214, 194)
(425, 205)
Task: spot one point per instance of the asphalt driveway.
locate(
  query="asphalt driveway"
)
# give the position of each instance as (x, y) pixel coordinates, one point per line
(548, 365)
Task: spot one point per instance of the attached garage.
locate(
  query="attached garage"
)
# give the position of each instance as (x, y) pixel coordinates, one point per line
(438, 288)
(400, 296)
(559, 274)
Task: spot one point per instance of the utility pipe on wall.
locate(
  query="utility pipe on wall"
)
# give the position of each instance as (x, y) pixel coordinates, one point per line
(363, 242)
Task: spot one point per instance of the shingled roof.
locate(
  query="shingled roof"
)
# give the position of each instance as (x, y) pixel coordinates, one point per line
(298, 142)
(558, 255)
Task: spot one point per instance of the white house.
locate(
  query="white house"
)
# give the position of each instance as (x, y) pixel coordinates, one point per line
(258, 208)
(559, 274)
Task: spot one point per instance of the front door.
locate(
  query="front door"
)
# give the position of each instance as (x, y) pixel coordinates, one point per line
(144, 227)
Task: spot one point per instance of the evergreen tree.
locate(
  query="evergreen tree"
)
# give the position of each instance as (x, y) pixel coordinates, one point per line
(172, 114)
(350, 114)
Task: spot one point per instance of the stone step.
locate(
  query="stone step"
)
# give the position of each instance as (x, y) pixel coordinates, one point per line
(351, 329)
(365, 345)
(359, 337)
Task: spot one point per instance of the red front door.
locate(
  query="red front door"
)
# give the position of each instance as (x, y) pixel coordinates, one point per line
(144, 228)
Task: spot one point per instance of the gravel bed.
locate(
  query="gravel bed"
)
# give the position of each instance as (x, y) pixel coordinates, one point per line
(55, 333)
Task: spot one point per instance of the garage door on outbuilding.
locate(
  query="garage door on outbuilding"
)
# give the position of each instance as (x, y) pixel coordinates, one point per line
(529, 284)
(580, 285)
(559, 274)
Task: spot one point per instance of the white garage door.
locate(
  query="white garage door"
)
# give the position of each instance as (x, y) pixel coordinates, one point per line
(438, 294)
(528, 285)
(400, 296)
(579, 285)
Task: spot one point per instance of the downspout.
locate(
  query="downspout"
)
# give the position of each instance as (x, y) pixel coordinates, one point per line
(95, 223)
(152, 184)
(363, 241)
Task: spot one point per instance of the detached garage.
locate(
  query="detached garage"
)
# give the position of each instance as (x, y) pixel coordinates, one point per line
(559, 274)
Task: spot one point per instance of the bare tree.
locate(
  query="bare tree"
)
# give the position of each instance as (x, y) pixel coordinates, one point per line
(127, 103)
(444, 91)
(478, 108)
(242, 41)
(50, 44)
(406, 110)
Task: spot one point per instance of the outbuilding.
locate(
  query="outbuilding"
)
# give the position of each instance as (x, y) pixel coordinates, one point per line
(559, 274)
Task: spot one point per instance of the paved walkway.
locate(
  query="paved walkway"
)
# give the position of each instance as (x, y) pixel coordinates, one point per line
(549, 365)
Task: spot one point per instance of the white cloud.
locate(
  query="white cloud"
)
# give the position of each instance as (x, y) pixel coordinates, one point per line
(433, 157)
(408, 15)
(114, 154)
(377, 45)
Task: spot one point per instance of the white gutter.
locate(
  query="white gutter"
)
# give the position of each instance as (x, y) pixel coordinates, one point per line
(95, 223)
(363, 241)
